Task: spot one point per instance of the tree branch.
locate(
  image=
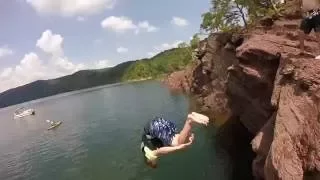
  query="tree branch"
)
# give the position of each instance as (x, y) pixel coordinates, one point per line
(242, 14)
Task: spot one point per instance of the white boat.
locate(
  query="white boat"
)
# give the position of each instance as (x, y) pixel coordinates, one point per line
(21, 112)
(54, 124)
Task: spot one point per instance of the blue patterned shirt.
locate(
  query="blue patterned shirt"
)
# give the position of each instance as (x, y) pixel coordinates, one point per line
(162, 129)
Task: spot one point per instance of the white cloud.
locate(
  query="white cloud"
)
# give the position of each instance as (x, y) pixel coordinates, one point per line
(178, 21)
(118, 24)
(151, 54)
(6, 73)
(122, 24)
(145, 25)
(166, 46)
(81, 18)
(30, 61)
(122, 50)
(32, 68)
(50, 43)
(163, 47)
(64, 66)
(29, 69)
(101, 64)
(71, 7)
(5, 51)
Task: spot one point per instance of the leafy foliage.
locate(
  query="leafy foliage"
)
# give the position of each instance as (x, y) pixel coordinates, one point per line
(227, 15)
(163, 63)
(224, 15)
(194, 41)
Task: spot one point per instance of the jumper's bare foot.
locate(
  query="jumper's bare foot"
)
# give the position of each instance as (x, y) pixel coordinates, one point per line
(198, 118)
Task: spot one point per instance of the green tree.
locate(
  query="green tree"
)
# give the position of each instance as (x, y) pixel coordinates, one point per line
(208, 21)
(226, 15)
(223, 16)
(194, 41)
(163, 63)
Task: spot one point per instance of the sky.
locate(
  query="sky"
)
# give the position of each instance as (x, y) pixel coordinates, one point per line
(45, 39)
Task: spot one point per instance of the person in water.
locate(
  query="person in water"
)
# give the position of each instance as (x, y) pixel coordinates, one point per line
(52, 123)
(310, 21)
(160, 137)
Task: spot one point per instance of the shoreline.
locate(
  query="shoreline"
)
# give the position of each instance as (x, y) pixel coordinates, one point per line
(79, 91)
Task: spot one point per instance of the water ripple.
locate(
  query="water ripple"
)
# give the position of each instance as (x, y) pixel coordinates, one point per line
(99, 138)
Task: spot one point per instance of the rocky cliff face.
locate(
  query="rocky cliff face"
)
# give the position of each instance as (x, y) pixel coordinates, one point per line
(260, 80)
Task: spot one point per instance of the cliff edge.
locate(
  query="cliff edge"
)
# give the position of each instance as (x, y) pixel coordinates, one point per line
(260, 80)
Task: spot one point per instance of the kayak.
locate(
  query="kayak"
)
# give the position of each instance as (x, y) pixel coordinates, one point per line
(56, 125)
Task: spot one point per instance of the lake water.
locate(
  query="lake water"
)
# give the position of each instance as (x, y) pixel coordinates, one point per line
(99, 138)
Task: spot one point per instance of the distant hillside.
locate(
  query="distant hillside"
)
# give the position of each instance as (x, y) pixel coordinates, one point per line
(164, 62)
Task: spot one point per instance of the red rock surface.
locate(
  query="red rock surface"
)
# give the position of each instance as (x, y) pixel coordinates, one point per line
(295, 150)
(180, 79)
(271, 89)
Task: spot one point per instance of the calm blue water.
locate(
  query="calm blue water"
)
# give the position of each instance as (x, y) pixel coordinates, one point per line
(100, 138)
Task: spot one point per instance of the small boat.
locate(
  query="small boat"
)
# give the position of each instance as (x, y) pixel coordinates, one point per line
(22, 112)
(56, 124)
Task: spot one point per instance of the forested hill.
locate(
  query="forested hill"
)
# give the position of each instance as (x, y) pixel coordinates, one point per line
(165, 62)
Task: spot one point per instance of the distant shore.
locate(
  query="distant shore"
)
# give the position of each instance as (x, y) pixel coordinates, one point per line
(137, 80)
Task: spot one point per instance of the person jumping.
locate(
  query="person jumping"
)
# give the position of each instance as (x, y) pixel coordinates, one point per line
(310, 21)
(160, 137)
